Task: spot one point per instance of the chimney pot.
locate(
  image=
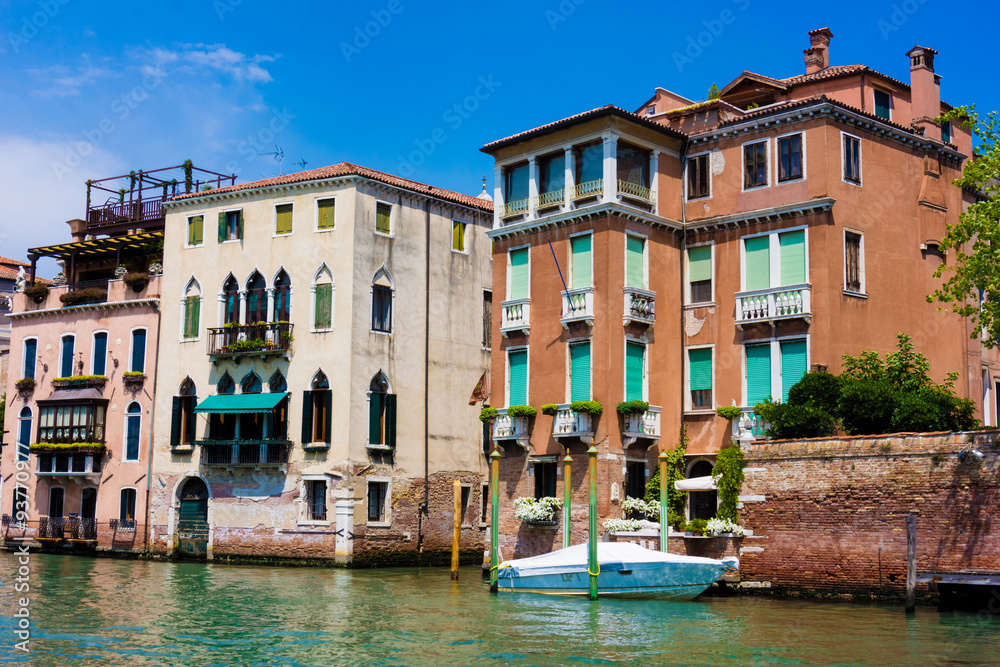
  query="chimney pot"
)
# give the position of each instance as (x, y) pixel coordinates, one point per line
(925, 91)
(817, 56)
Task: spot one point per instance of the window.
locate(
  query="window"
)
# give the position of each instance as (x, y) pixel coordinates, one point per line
(517, 377)
(66, 356)
(635, 371)
(581, 266)
(552, 178)
(589, 163)
(466, 492)
(651, 110)
(182, 417)
(635, 481)
(283, 219)
(635, 262)
(883, 104)
(579, 371)
(458, 235)
(126, 510)
(790, 358)
(378, 495)
(699, 183)
(852, 159)
(230, 226)
(133, 423)
(138, 364)
(317, 411)
(790, 158)
(700, 377)
(758, 373)
(251, 384)
(382, 413)
(946, 132)
(519, 274)
(853, 263)
(484, 506)
(700, 274)
(192, 310)
(30, 356)
(325, 213)
(56, 497)
(545, 479)
(755, 165)
(316, 499)
(383, 218)
(793, 365)
(323, 300)
(282, 297)
(231, 298)
(633, 164)
(487, 318)
(381, 308)
(23, 434)
(98, 362)
(196, 230)
(515, 191)
(71, 422)
(760, 273)
(256, 299)
(226, 384)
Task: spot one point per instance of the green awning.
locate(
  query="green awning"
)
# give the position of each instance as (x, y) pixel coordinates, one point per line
(241, 403)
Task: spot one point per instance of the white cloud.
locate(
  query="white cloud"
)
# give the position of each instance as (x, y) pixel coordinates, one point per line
(209, 58)
(63, 81)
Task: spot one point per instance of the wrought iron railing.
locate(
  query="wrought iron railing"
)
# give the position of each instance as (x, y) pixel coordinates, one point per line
(244, 452)
(242, 339)
(146, 211)
(588, 189)
(82, 529)
(51, 528)
(122, 525)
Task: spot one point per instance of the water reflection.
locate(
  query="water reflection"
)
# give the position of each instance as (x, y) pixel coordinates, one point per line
(111, 612)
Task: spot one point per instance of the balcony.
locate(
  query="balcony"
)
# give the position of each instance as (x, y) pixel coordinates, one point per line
(571, 424)
(244, 453)
(578, 306)
(250, 339)
(82, 529)
(637, 193)
(640, 306)
(641, 425)
(749, 426)
(506, 427)
(514, 316)
(51, 528)
(514, 208)
(79, 467)
(550, 199)
(777, 303)
(588, 189)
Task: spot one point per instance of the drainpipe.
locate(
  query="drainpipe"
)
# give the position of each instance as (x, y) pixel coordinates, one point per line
(684, 168)
(152, 426)
(427, 366)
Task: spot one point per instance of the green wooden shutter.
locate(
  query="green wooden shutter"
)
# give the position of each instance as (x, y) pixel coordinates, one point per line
(326, 213)
(758, 373)
(518, 377)
(222, 226)
(192, 419)
(579, 372)
(633, 262)
(390, 420)
(793, 257)
(192, 312)
(518, 274)
(139, 351)
(283, 219)
(239, 226)
(758, 263)
(700, 263)
(375, 419)
(176, 416)
(580, 248)
(634, 362)
(324, 299)
(382, 218)
(307, 417)
(328, 399)
(700, 368)
(793, 365)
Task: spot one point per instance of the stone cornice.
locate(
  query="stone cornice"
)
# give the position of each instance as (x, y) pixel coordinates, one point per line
(153, 302)
(577, 215)
(772, 214)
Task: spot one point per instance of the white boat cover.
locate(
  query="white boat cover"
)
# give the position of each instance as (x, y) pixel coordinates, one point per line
(575, 557)
(696, 484)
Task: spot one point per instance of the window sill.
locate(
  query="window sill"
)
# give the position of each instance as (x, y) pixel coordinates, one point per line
(460, 252)
(190, 340)
(379, 448)
(789, 181)
(231, 241)
(700, 304)
(314, 523)
(701, 198)
(700, 412)
(317, 230)
(316, 447)
(330, 330)
(756, 187)
(383, 234)
(858, 295)
(200, 245)
(383, 333)
(379, 524)
(276, 235)
(182, 449)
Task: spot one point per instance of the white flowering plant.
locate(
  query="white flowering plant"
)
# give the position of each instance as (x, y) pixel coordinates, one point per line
(622, 525)
(719, 526)
(530, 509)
(651, 508)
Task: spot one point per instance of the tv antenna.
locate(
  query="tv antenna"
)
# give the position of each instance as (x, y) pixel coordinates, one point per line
(302, 163)
(279, 157)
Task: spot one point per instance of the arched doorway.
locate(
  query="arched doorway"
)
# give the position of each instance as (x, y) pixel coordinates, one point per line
(704, 504)
(192, 519)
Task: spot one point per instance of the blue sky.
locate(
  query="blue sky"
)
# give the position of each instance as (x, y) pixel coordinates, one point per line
(403, 86)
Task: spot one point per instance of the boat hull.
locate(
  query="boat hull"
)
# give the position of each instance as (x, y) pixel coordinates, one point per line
(675, 581)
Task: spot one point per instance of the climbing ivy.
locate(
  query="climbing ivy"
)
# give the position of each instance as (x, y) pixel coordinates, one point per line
(728, 474)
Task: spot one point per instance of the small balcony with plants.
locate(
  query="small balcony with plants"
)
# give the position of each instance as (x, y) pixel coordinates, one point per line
(512, 423)
(80, 382)
(258, 339)
(640, 420)
(574, 420)
(271, 452)
(537, 511)
(80, 462)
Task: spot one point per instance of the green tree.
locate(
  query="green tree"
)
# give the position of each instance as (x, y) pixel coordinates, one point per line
(972, 284)
(713, 92)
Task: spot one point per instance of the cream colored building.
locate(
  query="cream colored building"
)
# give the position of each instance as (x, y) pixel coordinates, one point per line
(322, 333)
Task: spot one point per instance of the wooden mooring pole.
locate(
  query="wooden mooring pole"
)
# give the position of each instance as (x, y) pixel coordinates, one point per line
(593, 566)
(456, 531)
(494, 518)
(911, 564)
(664, 506)
(567, 516)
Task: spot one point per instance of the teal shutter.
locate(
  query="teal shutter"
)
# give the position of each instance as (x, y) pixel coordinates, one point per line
(700, 368)
(375, 420)
(390, 420)
(222, 226)
(793, 257)
(518, 274)
(327, 438)
(758, 263)
(139, 351)
(307, 417)
(579, 373)
(793, 365)
(758, 373)
(580, 247)
(100, 353)
(67, 356)
(176, 415)
(634, 358)
(700, 263)
(633, 262)
(518, 377)
(30, 353)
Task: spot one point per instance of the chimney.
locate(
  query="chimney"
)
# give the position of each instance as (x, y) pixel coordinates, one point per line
(817, 56)
(925, 91)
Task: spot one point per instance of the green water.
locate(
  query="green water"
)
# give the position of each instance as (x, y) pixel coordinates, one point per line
(113, 612)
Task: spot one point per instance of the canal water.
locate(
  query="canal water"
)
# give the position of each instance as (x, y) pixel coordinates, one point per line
(114, 612)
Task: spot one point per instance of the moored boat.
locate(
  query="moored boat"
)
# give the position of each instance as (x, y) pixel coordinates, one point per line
(624, 569)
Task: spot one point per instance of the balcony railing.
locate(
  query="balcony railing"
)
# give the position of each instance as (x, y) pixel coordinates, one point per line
(634, 190)
(506, 427)
(588, 189)
(578, 305)
(514, 316)
(244, 452)
(642, 425)
(549, 199)
(80, 467)
(748, 423)
(777, 303)
(516, 207)
(82, 529)
(51, 528)
(640, 306)
(571, 424)
(149, 212)
(249, 339)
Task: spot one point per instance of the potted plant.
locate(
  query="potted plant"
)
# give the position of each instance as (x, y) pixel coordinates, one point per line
(728, 411)
(36, 292)
(622, 526)
(133, 378)
(537, 512)
(695, 527)
(487, 415)
(724, 528)
(523, 411)
(84, 296)
(550, 409)
(25, 386)
(137, 280)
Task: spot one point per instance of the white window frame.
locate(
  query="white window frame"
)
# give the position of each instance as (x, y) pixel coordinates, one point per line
(570, 342)
(687, 273)
(629, 339)
(125, 418)
(774, 256)
(135, 509)
(687, 166)
(777, 151)
(843, 160)
(645, 257)
(62, 346)
(333, 297)
(34, 360)
(131, 342)
(743, 164)
(569, 249)
(465, 236)
(329, 479)
(887, 91)
(387, 505)
(861, 264)
(183, 321)
(371, 300)
(316, 228)
(527, 386)
(274, 218)
(510, 267)
(775, 350)
(466, 523)
(392, 219)
(93, 349)
(187, 233)
(688, 406)
(227, 211)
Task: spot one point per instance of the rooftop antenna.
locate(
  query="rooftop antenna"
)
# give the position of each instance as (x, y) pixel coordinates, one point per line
(279, 157)
(302, 163)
